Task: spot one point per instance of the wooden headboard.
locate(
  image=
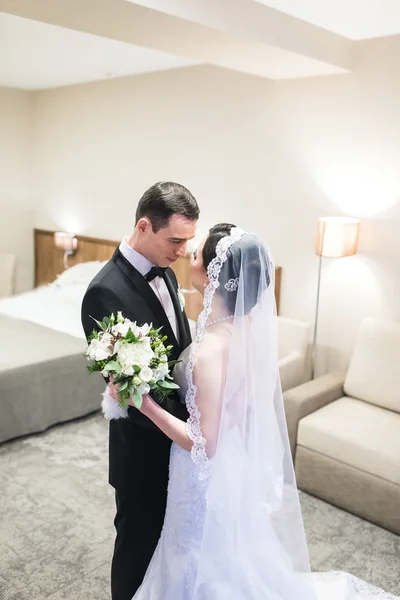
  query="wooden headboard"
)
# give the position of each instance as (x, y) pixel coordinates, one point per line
(49, 259)
(49, 264)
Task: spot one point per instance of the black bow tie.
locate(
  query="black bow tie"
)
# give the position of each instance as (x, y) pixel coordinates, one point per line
(155, 272)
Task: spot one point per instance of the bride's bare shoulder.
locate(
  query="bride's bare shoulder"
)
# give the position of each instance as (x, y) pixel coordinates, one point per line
(214, 345)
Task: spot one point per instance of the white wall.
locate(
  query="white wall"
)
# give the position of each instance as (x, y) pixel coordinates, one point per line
(340, 141)
(16, 197)
(271, 157)
(101, 145)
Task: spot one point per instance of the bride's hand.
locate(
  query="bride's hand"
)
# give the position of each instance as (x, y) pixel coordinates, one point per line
(146, 402)
(113, 389)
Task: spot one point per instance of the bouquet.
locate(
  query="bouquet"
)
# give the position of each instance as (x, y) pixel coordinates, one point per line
(136, 356)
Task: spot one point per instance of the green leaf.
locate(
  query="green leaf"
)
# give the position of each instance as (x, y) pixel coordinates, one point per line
(123, 402)
(156, 331)
(123, 386)
(171, 363)
(123, 397)
(120, 379)
(113, 366)
(137, 399)
(107, 322)
(99, 323)
(130, 336)
(93, 336)
(94, 367)
(169, 385)
(160, 394)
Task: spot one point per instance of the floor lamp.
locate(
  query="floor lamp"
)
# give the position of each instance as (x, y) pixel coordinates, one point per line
(336, 237)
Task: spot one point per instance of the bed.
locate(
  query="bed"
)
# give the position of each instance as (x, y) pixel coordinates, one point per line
(43, 376)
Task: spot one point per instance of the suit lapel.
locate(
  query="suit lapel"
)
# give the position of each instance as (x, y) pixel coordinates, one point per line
(149, 296)
(181, 319)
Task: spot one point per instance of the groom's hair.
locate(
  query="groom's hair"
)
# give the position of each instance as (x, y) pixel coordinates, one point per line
(165, 199)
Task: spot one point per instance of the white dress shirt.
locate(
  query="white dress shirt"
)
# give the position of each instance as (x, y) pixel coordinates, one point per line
(158, 284)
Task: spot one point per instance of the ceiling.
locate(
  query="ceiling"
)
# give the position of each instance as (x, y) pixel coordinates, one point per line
(354, 19)
(43, 56)
(63, 42)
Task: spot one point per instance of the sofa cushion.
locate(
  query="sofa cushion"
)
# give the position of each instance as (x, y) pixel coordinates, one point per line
(356, 433)
(374, 372)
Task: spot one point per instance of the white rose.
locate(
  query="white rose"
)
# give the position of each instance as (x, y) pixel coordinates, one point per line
(161, 371)
(116, 329)
(135, 329)
(101, 349)
(144, 329)
(122, 328)
(143, 388)
(117, 346)
(146, 374)
(139, 354)
(107, 338)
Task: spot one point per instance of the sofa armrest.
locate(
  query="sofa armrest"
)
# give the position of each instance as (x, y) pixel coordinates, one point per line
(291, 371)
(309, 397)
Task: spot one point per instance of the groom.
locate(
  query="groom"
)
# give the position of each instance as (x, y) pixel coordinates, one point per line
(138, 282)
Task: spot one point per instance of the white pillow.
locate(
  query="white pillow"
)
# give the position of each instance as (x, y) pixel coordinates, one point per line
(82, 273)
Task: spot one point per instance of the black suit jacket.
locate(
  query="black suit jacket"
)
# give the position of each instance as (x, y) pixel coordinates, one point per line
(120, 287)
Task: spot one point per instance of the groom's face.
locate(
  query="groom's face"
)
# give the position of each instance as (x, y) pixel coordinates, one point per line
(168, 244)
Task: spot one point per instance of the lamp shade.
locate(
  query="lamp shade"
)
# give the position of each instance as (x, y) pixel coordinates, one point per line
(65, 240)
(337, 237)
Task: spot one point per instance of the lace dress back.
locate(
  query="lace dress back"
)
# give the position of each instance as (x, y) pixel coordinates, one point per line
(172, 571)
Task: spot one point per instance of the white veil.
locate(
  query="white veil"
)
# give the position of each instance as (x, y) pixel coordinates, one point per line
(253, 543)
(233, 528)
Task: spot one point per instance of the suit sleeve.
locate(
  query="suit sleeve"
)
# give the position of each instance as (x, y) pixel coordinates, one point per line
(99, 302)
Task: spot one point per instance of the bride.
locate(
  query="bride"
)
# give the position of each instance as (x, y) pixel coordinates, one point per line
(233, 527)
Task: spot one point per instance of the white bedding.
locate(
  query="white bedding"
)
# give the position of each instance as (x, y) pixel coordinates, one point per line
(57, 305)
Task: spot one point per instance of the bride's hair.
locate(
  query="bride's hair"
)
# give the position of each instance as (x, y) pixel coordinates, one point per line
(249, 251)
(215, 234)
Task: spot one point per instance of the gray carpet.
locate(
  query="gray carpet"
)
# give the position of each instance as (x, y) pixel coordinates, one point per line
(56, 522)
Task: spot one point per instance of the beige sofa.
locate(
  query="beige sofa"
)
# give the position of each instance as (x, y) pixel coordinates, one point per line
(345, 429)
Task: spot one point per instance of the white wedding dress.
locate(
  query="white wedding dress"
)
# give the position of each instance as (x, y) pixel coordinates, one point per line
(172, 572)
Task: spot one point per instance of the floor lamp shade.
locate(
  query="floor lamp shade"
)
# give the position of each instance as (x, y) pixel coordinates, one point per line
(337, 237)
